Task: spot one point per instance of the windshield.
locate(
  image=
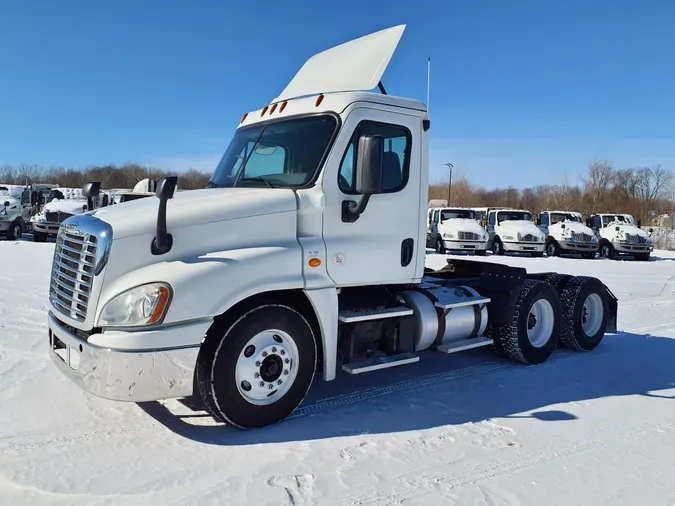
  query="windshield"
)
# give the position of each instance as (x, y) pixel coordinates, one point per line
(280, 154)
(449, 214)
(513, 216)
(609, 218)
(558, 217)
(4, 192)
(55, 194)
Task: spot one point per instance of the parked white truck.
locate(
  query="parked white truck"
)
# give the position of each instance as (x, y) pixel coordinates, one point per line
(305, 254)
(456, 229)
(17, 204)
(566, 233)
(619, 235)
(62, 203)
(514, 231)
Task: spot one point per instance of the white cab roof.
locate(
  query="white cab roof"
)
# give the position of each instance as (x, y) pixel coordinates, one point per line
(352, 66)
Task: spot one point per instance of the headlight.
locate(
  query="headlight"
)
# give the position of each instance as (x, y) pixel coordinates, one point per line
(448, 236)
(507, 237)
(143, 305)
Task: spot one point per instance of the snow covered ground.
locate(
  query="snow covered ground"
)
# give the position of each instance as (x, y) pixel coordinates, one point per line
(464, 429)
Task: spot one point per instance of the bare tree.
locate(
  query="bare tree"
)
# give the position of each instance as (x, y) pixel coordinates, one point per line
(597, 183)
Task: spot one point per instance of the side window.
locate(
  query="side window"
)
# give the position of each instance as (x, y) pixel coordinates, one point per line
(544, 218)
(596, 222)
(396, 162)
(25, 197)
(437, 215)
(491, 218)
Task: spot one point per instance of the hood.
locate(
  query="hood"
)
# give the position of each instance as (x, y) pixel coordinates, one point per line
(574, 226)
(627, 228)
(520, 226)
(462, 225)
(193, 207)
(74, 206)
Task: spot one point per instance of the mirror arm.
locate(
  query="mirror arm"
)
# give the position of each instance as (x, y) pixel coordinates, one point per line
(352, 210)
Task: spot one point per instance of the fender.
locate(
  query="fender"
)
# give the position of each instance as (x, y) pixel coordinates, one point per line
(207, 285)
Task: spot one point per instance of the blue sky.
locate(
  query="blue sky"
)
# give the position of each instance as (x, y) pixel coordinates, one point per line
(523, 92)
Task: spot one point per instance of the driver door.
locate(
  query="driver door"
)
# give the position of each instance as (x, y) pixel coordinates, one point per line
(382, 245)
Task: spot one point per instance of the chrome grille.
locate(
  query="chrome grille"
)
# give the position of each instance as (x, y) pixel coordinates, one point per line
(635, 239)
(581, 237)
(468, 236)
(57, 217)
(73, 272)
(527, 238)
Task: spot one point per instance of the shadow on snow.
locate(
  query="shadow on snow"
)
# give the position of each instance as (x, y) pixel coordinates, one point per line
(428, 395)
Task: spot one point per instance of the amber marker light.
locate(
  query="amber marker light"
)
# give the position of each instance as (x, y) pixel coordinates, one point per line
(314, 262)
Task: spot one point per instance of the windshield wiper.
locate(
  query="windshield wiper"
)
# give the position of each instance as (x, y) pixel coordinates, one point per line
(261, 179)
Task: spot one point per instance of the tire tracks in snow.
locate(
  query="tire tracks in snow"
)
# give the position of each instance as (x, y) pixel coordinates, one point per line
(451, 476)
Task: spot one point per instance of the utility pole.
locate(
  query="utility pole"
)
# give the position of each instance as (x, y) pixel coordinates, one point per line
(450, 167)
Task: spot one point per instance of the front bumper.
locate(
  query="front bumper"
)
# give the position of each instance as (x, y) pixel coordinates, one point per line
(523, 246)
(45, 227)
(579, 246)
(623, 247)
(123, 375)
(464, 245)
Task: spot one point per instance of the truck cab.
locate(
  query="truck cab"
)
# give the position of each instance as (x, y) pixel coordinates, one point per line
(456, 229)
(513, 230)
(566, 233)
(619, 235)
(304, 256)
(17, 204)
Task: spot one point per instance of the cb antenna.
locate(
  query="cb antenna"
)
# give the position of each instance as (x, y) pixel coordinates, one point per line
(428, 82)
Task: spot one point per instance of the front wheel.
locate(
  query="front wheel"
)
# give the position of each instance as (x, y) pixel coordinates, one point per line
(552, 249)
(607, 250)
(259, 370)
(15, 231)
(440, 246)
(497, 247)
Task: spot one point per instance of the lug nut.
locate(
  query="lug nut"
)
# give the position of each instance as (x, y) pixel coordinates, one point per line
(283, 352)
(279, 382)
(286, 372)
(257, 375)
(271, 386)
(286, 361)
(274, 350)
(264, 353)
(262, 383)
(258, 364)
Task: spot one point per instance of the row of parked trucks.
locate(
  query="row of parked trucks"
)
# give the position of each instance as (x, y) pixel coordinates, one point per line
(502, 230)
(41, 208)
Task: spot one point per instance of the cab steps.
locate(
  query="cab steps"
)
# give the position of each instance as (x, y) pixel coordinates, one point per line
(377, 363)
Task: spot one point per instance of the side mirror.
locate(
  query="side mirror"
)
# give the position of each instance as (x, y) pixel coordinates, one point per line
(368, 178)
(617, 228)
(6, 203)
(163, 191)
(370, 159)
(562, 226)
(90, 191)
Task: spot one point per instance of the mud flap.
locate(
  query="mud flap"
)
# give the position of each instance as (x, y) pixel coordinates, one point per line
(613, 312)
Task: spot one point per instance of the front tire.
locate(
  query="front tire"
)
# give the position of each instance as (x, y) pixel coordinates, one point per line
(15, 231)
(607, 250)
(497, 247)
(258, 370)
(552, 248)
(440, 246)
(585, 308)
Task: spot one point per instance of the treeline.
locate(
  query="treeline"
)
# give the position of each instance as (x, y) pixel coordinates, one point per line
(110, 176)
(644, 192)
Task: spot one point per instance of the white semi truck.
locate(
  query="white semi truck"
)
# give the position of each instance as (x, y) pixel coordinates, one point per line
(566, 233)
(61, 204)
(456, 229)
(514, 231)
(619, 235)
(305, 255)
(17, 204)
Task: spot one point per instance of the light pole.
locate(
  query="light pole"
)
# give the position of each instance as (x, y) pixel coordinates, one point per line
(449, 166)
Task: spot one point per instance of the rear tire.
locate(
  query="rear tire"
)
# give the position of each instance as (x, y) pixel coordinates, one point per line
(585, 307)
(532, 335)
(258, 370)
